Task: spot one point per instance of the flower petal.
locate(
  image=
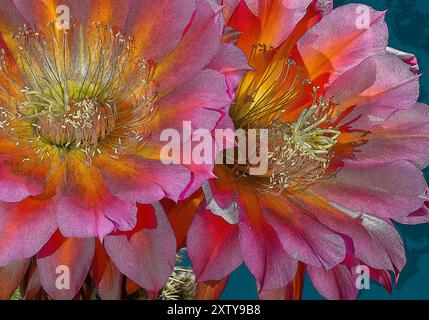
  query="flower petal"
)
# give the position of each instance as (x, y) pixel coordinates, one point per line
(303, 237)
(142, 180)
(213, 246)
(408, 58)
(229, 7)
(11, 276)
(85, 208)
(375, 242)
(210, 290)
(105, 275)
(292, 291)
(110, 286)
(387, 241)
(149, 256)
(12, 18)
(231, 62)
(404, 135)
(197, 101)
(196, 49)
(222, 188)
(262, 250)
(384, 189)
(417, 217)
(19, 179)
(24, 228)
(390, 86)
(180, 215)
(158, 26)
(335, 284)
(325, 48)
(286, 14)
(31, 286)
(72, 259)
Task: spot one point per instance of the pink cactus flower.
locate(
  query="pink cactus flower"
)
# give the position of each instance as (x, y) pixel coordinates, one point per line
(348, 141)
(84, 100)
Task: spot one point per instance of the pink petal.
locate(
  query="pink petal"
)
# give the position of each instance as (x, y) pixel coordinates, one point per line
(394, 87)
(196, 49)
(33, 285)
(384, 189)
(286, 14)
(24, 228)
(387, 241)
(325, 48)
(18, 178)
(149, 256)
(11, 276)
(222, 189)
(159, 26)
(110, 286)
(40, 13)
(285, 293)
(292, 291)
(211, 290)
(84, 206)
(408, 58)
(225, 125)
(231, 62)
(213, 246)
(200, 174)
(353, 82)
(335, 284)
(375, 242)
(144, 181)
(302, 237)
(326, 6)
(12, 19)
(199, 101)
(228, 7)
(417, 217)
(383, 277)
(78, 218)
(76, 255)
(404, 135)
(264, 254)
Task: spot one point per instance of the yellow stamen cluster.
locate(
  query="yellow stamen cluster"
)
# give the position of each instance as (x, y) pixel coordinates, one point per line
(77, 90)
(301, 151)
(83, 125)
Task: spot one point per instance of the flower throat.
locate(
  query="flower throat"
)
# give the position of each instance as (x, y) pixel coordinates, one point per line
(301, 139)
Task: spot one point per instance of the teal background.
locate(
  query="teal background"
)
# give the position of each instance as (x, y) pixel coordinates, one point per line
(408, 22)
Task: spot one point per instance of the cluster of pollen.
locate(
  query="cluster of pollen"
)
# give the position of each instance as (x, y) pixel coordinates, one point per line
(77, 90)
(84, 124)
(4, 119)
(301, 151)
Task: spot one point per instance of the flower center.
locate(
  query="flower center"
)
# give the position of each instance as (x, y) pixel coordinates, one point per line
(84, 124)
(78, 89)
(300, 148)
(300, 152)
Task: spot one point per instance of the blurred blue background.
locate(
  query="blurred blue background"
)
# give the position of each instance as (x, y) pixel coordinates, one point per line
(408, 22)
